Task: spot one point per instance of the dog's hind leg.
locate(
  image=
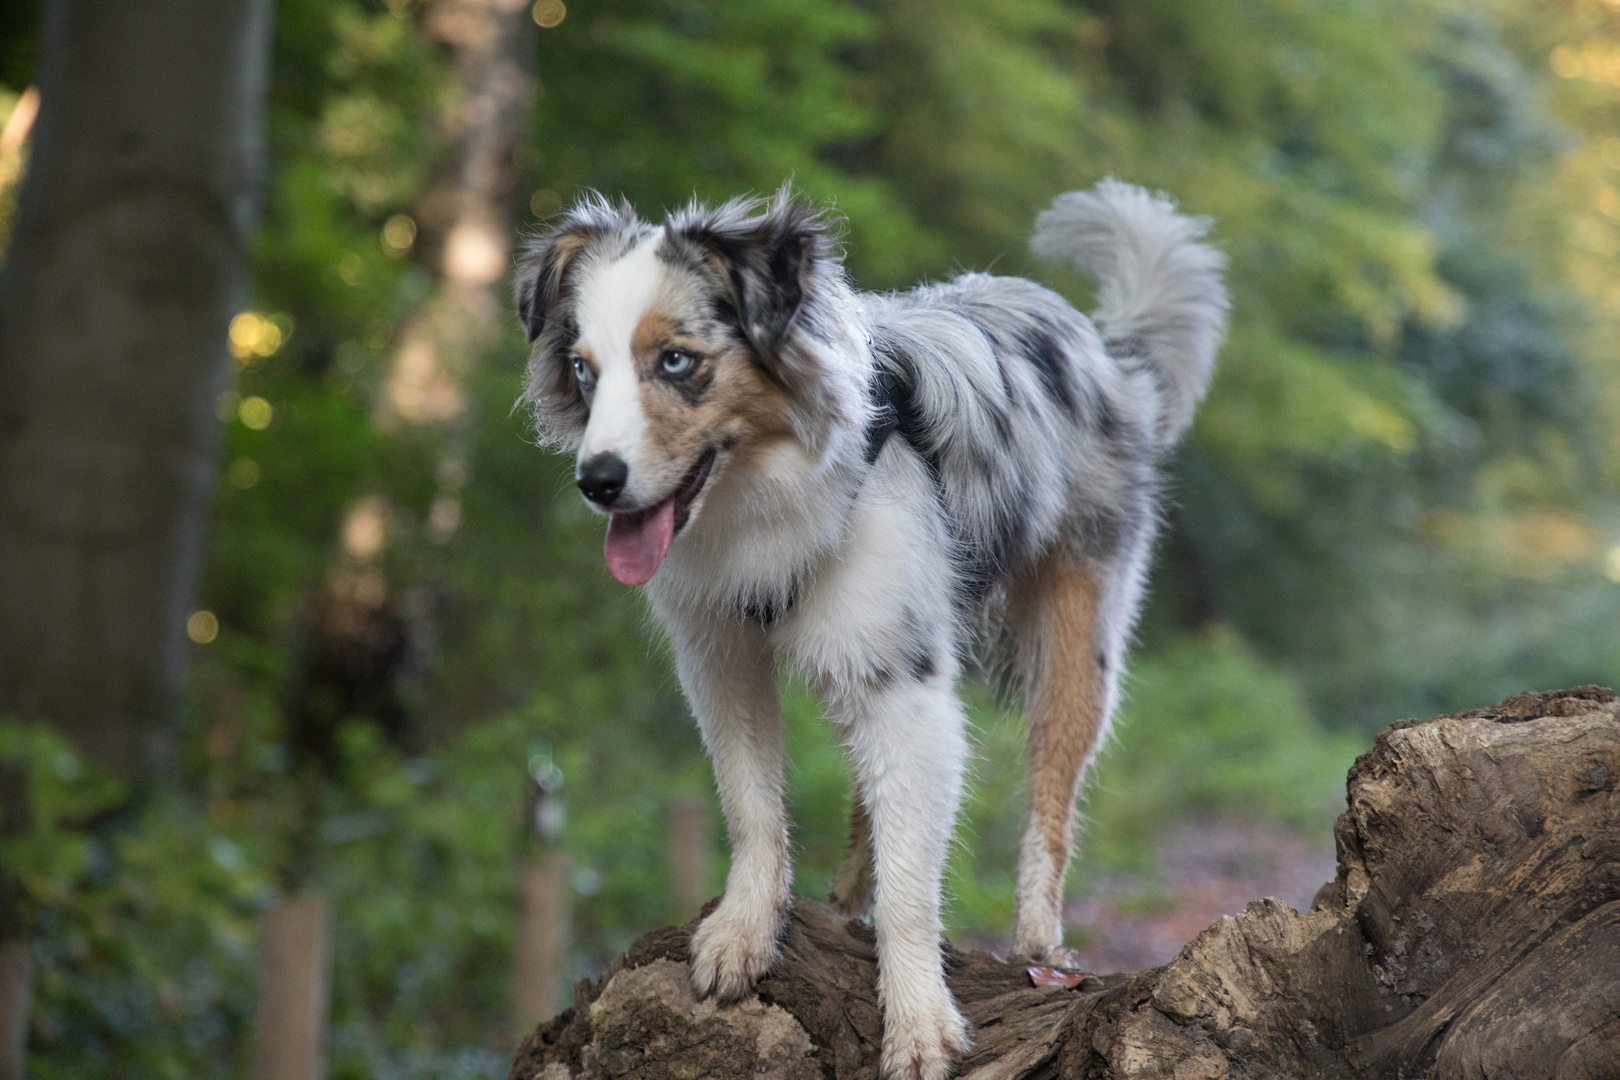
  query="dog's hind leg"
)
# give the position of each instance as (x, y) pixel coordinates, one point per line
(851, 892)
(1070, 669)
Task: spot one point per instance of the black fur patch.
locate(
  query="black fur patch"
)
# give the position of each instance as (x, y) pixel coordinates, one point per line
(767, 608)
(908, 422)
(919, 655)
(1107, 420)
(761, 257)
(885, 421)
(920, 662)
(1049, 361)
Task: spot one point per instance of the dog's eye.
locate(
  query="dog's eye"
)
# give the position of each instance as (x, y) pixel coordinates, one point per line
(582, 371)
(675, 362)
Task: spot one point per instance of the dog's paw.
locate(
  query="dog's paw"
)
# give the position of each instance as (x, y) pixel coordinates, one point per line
(731, 951)
(1058, 957)
(923, 1047)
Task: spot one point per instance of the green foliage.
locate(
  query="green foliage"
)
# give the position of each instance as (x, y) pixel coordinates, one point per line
(144, 953)
(1396, 500)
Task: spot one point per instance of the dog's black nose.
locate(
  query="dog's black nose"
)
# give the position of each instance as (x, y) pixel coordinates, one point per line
(602, 478)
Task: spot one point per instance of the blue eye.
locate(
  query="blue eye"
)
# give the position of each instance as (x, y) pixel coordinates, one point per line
(582, 371)
(675, 362)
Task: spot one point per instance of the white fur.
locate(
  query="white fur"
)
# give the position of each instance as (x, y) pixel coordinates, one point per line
(612, 302)
(1159, 292)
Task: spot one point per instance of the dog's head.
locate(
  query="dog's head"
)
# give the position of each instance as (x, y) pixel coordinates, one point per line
(666, 355)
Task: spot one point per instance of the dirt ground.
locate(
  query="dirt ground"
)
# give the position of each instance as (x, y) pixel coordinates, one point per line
(1206, 870)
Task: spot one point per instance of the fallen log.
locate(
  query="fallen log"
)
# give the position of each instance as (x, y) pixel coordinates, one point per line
(1472, 931)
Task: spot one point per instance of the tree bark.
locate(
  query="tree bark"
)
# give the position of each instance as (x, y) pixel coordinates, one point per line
(1472, 931)
(16, 991)
(128, 259)
(540, 960)
(295, 990)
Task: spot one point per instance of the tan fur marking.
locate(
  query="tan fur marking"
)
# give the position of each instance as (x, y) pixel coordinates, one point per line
(851, 892)
(654, 333)
(569, 245)
(761, 412)
(1065, 713)
(741, 407)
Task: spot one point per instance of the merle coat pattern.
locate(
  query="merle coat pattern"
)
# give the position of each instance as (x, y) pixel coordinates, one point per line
(872, 488)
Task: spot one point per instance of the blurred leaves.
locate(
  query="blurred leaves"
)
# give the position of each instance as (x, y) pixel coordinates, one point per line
(1399, 497)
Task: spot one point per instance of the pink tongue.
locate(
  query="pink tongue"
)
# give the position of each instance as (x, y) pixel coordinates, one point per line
(636, 543)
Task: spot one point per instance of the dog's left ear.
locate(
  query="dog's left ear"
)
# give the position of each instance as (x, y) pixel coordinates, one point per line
(766, 262)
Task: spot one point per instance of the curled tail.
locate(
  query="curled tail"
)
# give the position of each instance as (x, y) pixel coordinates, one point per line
(1161, 297)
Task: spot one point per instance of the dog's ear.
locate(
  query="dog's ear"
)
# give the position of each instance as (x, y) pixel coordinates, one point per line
(547, 268)
(765, 261)
(544, 260)
(541, 265)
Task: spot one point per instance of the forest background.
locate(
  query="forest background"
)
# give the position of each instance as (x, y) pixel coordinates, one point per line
(1401, 497)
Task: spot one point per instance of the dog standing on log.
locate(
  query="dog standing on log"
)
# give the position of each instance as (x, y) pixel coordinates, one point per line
(868, 487)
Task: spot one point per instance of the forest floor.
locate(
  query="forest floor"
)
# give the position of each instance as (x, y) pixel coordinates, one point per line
(1205, 870)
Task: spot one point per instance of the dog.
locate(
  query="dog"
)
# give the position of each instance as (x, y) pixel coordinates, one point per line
(875, 489)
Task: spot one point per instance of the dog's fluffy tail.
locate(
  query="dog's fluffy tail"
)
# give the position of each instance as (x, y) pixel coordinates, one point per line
(1161, 298)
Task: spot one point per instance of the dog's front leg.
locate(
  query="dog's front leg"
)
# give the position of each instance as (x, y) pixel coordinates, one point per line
(729, 675)
(908, 749)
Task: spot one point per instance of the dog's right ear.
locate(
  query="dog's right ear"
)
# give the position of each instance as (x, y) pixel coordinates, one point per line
(541, 265)
(545, 258)
(531, 286)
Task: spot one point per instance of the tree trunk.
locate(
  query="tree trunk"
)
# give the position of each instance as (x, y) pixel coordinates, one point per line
(16, 990)
(295, 990)
(1473, 931)
(540, 964)
(467, 218)
(691, 855)
(128, 259)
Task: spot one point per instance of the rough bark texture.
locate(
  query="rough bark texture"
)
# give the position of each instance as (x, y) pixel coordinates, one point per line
(128, 260)
(1473, 931)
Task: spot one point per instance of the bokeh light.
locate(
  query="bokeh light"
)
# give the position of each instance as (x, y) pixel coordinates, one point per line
(398, 234)
(202, 627)
(549, 13)
(254, 336)
(255, 413)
